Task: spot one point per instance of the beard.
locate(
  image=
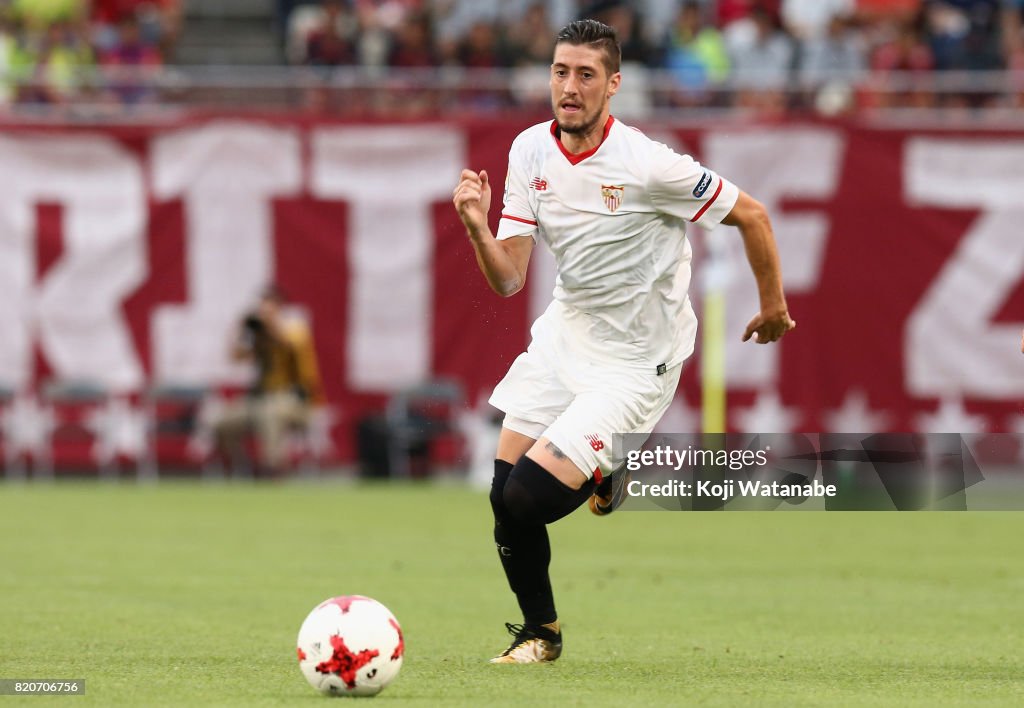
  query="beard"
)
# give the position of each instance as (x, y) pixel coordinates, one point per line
(586, 124)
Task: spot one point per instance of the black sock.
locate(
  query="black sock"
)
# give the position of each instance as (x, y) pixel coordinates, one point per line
(604, 489)
(613, 485)
(525, 553)
(530, 498)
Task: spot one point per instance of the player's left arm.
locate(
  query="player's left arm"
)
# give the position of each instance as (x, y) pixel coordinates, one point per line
(751, 218)
(682, 187)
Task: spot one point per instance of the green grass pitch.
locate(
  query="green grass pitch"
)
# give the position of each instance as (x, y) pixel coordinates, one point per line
(187, 594)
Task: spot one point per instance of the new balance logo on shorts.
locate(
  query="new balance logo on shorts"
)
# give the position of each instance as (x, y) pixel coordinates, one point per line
(595, 442)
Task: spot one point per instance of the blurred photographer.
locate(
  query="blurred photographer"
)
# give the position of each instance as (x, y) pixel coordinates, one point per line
(286, 389)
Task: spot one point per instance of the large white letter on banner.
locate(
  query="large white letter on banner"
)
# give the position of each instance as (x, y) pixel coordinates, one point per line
(77, 306)
(952, 347)
(389, 177)
(771, 166)
(227, 173)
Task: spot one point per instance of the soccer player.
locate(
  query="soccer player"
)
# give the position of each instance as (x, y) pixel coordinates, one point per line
(605, 357)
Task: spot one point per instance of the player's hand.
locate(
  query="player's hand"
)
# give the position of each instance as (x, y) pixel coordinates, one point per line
(472, 199)
(769, 326)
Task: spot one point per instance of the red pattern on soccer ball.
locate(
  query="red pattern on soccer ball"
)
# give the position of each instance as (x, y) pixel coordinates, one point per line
(302, 654)
(344, 663)
(400, 649)
(344, 602)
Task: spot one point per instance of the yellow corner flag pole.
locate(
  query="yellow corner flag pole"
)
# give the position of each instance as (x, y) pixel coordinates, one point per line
(716, 275)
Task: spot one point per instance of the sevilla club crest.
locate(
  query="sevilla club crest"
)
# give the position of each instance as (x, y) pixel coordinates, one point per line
(612, 196)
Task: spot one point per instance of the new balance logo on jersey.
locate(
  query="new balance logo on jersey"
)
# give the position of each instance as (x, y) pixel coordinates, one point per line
(539, 184)
(612, 195)
(595, 442)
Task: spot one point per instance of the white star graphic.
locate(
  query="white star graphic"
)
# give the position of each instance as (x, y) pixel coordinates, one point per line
(119, 428)
(679, 418)
(480, 428)
(855, 415)
(27, 427)
(768, 415)
(318, 433)
(1015, 425)
(951, 417)
(200, 442)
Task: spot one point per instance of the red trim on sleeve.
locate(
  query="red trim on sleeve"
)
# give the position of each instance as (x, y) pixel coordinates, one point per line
(597, 475)
(516, 218)
(575, 159)
(709, 203)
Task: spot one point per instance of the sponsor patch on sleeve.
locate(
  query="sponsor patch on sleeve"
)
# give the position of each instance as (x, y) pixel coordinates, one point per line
(702, 186)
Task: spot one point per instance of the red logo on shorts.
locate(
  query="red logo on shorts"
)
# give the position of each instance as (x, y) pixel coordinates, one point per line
(595, 442)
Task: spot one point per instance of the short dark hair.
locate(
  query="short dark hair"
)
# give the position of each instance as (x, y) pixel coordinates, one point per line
(594, 34)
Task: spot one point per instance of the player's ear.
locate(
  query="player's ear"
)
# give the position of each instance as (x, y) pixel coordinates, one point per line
(613, 84)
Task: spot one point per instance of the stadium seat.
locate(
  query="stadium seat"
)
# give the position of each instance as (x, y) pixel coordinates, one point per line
(425, 416)
(173, 430)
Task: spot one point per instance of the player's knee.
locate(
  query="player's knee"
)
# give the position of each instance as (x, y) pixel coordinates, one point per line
(520, 504)
(502, 470)
(534, 496)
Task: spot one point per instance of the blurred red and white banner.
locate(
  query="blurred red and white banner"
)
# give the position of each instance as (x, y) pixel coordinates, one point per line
(130, 253)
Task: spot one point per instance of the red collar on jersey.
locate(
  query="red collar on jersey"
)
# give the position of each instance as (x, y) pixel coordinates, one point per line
(579, 157)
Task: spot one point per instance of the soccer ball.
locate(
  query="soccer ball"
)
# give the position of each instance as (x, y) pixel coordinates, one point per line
(350, 646)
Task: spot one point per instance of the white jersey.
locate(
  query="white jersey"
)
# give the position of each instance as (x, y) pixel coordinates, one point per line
(615, 218)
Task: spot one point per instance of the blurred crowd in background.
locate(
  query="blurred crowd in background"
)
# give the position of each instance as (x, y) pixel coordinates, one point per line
(48, 48)
(694, 52)
(756, 48)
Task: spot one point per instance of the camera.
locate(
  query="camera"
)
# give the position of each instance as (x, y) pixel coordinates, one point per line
(254, 324)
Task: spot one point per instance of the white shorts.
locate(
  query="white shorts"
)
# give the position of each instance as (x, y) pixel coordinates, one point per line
(578, 404)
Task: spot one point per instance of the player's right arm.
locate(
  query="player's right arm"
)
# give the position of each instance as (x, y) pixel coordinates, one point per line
(503, 262)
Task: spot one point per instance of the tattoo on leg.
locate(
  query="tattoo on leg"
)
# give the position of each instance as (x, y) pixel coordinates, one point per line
(553, 449)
